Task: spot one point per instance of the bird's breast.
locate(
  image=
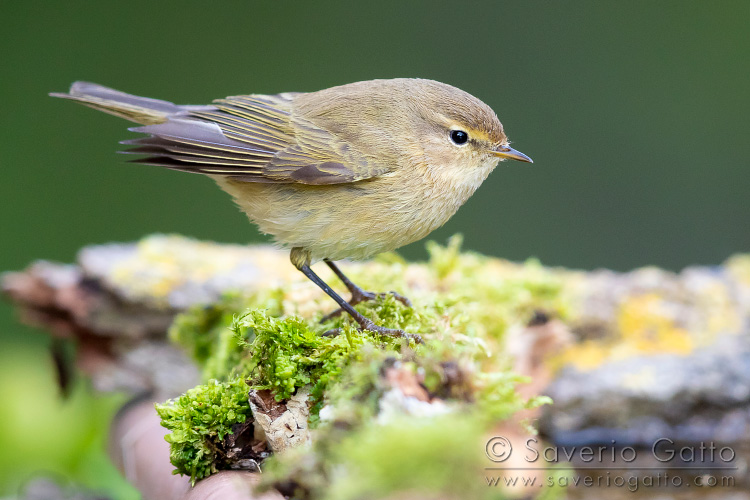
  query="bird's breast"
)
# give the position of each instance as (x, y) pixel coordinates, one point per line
(357, 220)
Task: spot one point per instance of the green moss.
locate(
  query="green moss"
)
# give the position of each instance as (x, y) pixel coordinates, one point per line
(407, 457)
(463, 305)
(259, 351)
(198, 420)
(357, 453)
(411, 455)
(288, 353)
(464, 298)
(445, 259)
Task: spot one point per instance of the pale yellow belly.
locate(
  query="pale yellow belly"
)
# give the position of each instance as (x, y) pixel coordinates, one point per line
(346, 221)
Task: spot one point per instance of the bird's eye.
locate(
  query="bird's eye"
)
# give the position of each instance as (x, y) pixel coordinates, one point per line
(459, 137)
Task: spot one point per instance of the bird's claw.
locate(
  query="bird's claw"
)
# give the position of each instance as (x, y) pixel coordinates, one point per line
(391, 332)
(359, 296)
(404, 300)
(372, 327)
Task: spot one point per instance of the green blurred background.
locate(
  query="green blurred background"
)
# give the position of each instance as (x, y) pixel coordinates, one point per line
(636, 115)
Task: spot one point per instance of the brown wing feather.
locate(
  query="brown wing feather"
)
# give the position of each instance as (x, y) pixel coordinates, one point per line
(254, 138)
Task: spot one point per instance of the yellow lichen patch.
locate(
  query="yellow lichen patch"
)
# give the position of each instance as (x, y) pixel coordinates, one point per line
(586, 355)
(646, 324)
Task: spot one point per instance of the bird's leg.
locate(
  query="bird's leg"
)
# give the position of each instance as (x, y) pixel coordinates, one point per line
(301, 260)
(358, 295)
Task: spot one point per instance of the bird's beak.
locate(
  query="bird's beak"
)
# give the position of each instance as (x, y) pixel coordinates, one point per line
(508, 152)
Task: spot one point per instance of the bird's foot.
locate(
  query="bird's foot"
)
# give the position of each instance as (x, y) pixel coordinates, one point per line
(372, 327)
(392, 332)
(359, 296)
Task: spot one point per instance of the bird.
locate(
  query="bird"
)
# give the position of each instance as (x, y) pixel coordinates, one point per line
(341, 173)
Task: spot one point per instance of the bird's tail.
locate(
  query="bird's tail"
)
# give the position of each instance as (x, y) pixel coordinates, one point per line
(143, 110)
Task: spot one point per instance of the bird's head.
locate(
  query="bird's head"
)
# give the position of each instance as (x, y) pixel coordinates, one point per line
(413, 122)
(457, 130)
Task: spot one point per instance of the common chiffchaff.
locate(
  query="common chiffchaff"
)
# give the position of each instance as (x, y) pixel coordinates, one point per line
(343, 173)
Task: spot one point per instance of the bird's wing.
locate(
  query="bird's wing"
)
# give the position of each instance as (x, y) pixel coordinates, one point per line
(253, 138)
